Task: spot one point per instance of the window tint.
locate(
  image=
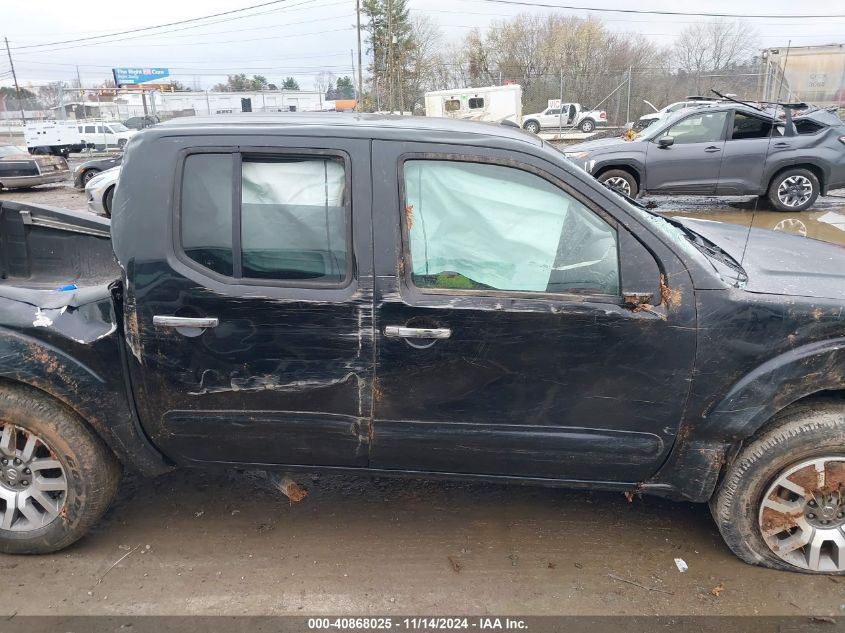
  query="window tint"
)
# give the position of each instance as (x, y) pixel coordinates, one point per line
(806, 126)
(476, 102)
(293, 219)
(746, 126)
(452, 105)
(700, 128)
(477, 226)
(207, 211)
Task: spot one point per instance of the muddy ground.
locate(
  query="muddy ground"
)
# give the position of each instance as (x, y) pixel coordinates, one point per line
(221, 543)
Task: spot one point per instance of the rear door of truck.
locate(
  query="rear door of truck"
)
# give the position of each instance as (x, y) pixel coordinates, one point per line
(253, 338)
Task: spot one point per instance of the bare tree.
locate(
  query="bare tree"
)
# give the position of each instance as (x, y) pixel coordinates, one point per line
(714, 46)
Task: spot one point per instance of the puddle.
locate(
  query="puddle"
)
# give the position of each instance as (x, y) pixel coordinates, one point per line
(826, 221)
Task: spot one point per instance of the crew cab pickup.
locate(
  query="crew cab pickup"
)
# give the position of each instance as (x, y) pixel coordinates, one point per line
(568, 115)
(425, 296)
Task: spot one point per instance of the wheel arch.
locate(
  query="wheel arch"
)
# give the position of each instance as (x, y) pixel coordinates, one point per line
(624, 166)
(816, 169)
(530, 120)
(705, 447)
(35, 365)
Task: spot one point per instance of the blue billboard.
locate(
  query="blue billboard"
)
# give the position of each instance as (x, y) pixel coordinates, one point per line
(135, 76)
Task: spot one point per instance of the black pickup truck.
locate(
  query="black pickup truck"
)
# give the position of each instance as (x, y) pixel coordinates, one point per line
(415, 296)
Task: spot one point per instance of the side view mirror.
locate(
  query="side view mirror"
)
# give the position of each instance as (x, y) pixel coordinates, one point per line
(665, 142)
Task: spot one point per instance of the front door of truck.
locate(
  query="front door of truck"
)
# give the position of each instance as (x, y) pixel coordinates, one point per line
(504, 346)
(251, 343)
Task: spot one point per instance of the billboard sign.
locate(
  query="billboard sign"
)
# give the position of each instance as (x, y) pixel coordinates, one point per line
(135, 76)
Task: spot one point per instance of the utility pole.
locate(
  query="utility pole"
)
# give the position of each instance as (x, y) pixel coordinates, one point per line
(560, 106)
(15, 77)
(628, 104)
(360, 102)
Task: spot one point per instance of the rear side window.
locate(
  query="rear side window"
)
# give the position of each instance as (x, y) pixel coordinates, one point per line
(89, 129)
(289, 223)
(477, 226)
(746, 126)
(293, 219)
(806, 126)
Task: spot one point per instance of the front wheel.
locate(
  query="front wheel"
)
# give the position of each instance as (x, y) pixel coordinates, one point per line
(56, 477)
(533, 127)
(88, 175)
(107, 201)
(781, 503)
(621, 181)
(794, 190)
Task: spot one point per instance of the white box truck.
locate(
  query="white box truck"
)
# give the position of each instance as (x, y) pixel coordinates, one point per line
(493, 103)
(58, 138)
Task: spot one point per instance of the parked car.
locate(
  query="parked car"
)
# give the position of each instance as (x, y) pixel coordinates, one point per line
(99, 192)
(141, 122)
(652, 117)
(570, 115)
(725, 149)
(101, 135)
(84, 172)
(20, 169)
(423, 297)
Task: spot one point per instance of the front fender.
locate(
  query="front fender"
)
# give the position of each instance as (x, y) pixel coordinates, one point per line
(775, 384)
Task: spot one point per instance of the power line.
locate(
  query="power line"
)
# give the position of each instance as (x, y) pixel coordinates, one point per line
(657, 12)
(151, 28)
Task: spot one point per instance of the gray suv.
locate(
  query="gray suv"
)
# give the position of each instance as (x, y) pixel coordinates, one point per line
(726, 149)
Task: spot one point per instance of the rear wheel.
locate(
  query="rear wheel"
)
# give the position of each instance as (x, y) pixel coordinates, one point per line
(782, 501)
(56, 477)
(532, 126)
(620, 180)
(587, 125)
(794, 190)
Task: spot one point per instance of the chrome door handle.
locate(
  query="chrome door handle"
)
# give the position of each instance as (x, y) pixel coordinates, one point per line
(175, 321)
(400, 331)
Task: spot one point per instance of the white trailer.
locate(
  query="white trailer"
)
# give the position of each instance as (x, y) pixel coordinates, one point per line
(58, 138)
(493, 103)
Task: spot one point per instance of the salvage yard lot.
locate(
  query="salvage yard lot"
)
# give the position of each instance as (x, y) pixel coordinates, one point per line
(215, 543)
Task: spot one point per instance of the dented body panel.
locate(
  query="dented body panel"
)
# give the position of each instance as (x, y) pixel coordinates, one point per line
(650, 389)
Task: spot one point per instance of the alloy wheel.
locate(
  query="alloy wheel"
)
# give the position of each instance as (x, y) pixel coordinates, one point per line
(802, 515)
(795, 191)
(33, 484)
(620, 184)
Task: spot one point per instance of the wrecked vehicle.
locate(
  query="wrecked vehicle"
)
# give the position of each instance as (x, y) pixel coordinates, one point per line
(729, 149)
(415, 296)
(20, 169)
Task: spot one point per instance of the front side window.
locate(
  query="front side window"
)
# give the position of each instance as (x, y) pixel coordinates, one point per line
(292, 217)
(476, 226)
(706, 127)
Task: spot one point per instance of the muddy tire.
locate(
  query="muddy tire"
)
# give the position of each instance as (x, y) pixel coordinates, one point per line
(793, 190)
(765, 516)
(620, 180)
(73, 476)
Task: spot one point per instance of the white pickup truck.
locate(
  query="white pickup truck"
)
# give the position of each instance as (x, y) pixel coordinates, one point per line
(567, 115)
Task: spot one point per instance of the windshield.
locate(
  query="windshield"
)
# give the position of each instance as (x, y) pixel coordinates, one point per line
(12, 150)
(118, 127)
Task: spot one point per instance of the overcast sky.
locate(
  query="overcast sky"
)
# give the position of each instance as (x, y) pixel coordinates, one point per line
(302, 37)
